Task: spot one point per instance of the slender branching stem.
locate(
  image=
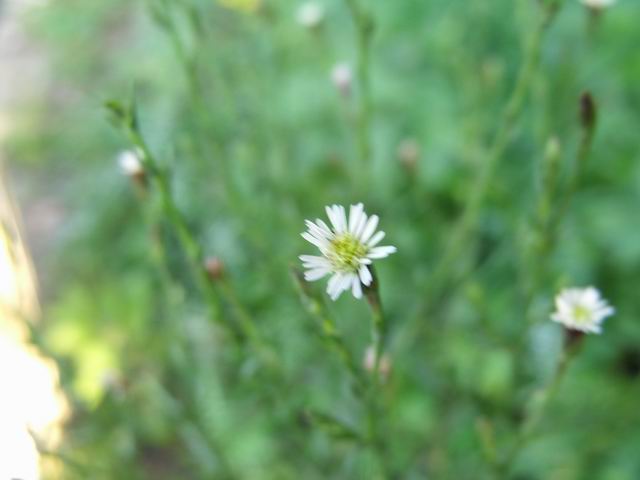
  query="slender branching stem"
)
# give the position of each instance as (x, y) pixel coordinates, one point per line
(243, 328)
(539, 404)
(329, 332)
(464, 229)
(378, 331)
(364, 33)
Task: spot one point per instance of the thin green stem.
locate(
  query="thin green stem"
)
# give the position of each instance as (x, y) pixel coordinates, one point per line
(378, 332)
(329, 332)
(538, 406)
(194, 251)
(364, 33)
(464, 229)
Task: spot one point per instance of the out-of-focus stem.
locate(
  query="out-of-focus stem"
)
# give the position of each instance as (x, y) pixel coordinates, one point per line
(465, 227)
(378, 331)
(364, 33)
(194, 251)
(539, 403)
(329, 332)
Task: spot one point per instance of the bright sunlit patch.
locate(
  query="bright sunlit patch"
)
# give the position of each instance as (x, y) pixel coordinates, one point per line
(29, 398)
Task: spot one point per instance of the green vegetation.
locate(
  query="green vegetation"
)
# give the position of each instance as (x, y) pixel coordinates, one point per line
(466, 128)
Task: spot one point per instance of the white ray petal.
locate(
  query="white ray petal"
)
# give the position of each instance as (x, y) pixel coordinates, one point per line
(376, 239)
(369, 228)
(365, 275)
(381, 252)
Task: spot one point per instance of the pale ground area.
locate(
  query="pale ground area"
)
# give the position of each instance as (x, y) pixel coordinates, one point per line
(29, 398)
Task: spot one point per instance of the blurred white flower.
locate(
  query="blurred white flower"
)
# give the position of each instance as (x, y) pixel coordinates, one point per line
(581, 309)
(130, 163)
(598, 4)
(310, 14)
(369, 362)
(342, 77)
(346, 249)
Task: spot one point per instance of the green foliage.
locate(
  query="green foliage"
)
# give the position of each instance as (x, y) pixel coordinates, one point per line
(243, 136)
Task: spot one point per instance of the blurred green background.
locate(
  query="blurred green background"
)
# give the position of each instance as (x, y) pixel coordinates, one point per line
(235, 100)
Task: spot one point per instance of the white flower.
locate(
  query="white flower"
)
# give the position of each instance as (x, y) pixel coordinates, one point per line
(130, 164)
(310, 14)
(581, 309)
(342, 77)
(598, 4)
(346, 249)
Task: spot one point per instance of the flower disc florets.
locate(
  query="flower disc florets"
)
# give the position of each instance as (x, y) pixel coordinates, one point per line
(347, 248)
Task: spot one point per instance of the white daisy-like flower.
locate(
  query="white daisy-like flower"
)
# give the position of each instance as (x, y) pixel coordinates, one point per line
(347, 249)
(342, 77)
(581, 309)
(310, 14)
(130, 163)
(598, 4)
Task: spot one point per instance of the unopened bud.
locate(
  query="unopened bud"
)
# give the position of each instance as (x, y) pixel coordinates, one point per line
(342, 77)
(131, 165)
(409, 154)
(369, 363)
(588, 111)
(310, 15)
(214, 268)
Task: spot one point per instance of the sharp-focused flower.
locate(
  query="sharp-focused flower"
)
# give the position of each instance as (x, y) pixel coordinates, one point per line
(598, 4)
(310, 14)
(347, 249)
(342, 78)
(130, 164)
(581, 309)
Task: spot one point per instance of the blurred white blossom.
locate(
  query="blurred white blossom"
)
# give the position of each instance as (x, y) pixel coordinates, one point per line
(598, 4)
(347, 249)
(342, 77)
(130, 163)
(581, 309)
(310, 14)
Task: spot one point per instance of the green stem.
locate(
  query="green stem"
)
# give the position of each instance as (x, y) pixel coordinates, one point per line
(538, 406)
(378, 331)
(194, 251)
(465, 227)
(364, 33)
(329, 332)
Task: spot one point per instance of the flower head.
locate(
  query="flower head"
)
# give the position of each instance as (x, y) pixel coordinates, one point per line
(310, 14)
(598, 4)
(342, 78)
(581, 309)
(347, 248)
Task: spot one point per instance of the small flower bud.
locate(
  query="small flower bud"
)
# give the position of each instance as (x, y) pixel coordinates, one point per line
(131, 165)
(310, 15)
(409, 154)
(369, 363)
(342, 78)
(214, 268)
(588, 111)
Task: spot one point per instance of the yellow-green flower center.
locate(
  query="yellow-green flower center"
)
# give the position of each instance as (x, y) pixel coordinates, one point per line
(346, 251)
(581, 314)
